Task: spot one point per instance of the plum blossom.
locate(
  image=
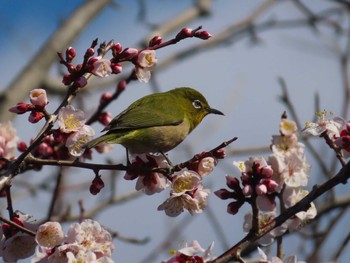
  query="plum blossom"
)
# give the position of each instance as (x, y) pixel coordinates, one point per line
(101, 67)
(146, 61)
(38, 97)
(49, 235)
(331, 126)
(292, 169)
(77, 140)
(187, 193)
(70, 119)
(206, 166)
(12, 239)
(190, 253)
(8, 140)
(149, 182)
(264, 219)
(291, 196)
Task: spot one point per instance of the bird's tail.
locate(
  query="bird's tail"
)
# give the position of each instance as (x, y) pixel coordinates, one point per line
(102, 139)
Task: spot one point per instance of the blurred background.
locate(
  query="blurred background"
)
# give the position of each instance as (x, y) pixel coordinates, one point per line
(258, 47)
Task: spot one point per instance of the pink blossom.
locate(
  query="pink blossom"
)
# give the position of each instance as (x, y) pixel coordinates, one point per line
(331, 126)
(146, 61)
(12, 239)
(149, 182)
(77, 140)
(206, 166)
(70, 120)
(102, 67)
(187, 193)
(38, 97)
(49, 235)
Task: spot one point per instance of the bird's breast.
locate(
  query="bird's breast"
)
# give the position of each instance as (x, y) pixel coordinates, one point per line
(156, 139)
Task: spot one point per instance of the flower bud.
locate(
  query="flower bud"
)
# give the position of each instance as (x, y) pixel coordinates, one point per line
(155, 41)
(35, 116)
(128, 54)
(21, 108)
(38, 98)
(67, 79)
(184, 33)
(271, 185)
(107, 96)
(105, 118)
(96, 185)
(116, 49)
(44, 150)
(203, 35)
(70, 54)
(22, 146)
(121, 86)
(116, 68)
(247, 190)
(89, 52)
(261, 189)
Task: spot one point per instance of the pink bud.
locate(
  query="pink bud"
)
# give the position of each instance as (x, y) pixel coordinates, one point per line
(223, 194)
(184, 33)
(266, 171)
(21, 108)
(59, 136)
(105, 118)
(116, 68)
(80, 82)
(121, 86)
(89, 52)
(44, 150)
(261, 189)
(96, 185)
(203, 35)
(107, 96)
(128, 54)
(35, 116)
(22, 146)
(67, 79)
(271, 185)
(116, 49)
(70, 54)
(38, 98)
(155, 41)
(233, 207)
(247, 190)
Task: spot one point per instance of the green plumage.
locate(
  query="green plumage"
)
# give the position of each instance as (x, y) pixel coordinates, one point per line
(157, 122)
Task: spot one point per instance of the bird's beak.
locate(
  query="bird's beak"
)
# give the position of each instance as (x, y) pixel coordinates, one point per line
(214, 111)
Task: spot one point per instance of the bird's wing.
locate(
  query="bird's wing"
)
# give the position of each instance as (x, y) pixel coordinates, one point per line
(148, 111)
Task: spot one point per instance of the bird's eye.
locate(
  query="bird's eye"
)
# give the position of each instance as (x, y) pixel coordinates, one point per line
(197, 104)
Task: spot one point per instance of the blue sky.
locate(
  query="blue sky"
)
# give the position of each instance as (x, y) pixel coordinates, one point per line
(238, 79)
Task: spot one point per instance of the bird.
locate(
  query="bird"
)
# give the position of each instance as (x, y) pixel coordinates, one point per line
(158, 122)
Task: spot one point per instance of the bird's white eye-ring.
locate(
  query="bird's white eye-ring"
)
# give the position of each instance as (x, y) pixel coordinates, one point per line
(197, 104)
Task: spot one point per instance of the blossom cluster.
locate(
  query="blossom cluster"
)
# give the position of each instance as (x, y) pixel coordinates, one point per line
(187, 191)
(85, 242)
(282, 176)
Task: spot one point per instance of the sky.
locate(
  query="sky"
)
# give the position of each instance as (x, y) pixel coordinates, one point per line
(240, 79)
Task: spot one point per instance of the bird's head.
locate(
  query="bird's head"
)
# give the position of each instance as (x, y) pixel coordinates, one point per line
(195, 105)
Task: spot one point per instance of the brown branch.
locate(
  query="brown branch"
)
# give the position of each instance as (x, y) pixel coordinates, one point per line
(36, 70)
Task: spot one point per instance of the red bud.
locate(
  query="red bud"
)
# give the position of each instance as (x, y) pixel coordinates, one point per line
(155, 41)
(21, 108)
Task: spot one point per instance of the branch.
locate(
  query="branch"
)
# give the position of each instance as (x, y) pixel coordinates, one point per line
(36, 70)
